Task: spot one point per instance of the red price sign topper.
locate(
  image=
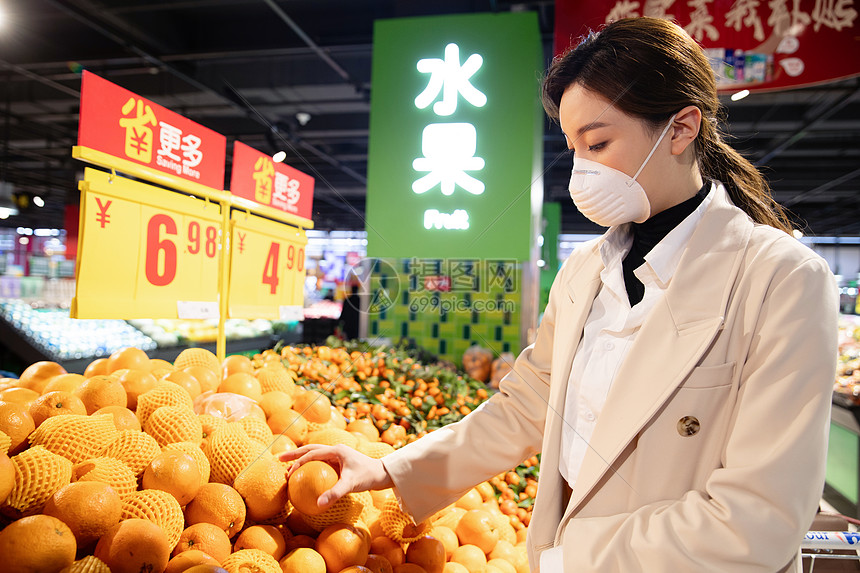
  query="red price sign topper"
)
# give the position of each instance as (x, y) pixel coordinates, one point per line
(267, 269)
(145, 252)
(257, 178)
(125, 126)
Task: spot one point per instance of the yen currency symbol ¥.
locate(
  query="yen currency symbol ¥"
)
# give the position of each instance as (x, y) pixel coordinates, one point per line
(103, 218)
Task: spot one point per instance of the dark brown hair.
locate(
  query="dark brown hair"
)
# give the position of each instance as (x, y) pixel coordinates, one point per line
(650, 69)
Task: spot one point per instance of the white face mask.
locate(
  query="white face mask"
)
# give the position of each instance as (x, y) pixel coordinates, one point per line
(608, 196)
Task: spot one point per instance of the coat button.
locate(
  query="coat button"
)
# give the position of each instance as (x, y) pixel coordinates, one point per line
(688, 426)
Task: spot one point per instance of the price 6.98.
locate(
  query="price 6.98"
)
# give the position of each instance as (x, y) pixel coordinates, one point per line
(159, 246)
(295, 260)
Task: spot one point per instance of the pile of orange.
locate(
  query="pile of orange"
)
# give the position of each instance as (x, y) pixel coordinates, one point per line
(147, 465)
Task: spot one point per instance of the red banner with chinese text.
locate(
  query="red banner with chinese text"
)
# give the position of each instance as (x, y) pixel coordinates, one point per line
(257, 178)
(752, 44)
(122, 124)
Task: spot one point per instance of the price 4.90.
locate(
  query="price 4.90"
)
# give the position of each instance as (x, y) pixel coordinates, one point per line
(159, 246)
(295, 260)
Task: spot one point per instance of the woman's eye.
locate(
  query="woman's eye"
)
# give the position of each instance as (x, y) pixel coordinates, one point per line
(597, 146)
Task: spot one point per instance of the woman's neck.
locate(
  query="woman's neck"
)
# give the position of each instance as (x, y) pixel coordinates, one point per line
(680, 180)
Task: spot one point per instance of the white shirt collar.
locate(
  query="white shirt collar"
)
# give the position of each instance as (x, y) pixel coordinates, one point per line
(615, 244)
(663, 259)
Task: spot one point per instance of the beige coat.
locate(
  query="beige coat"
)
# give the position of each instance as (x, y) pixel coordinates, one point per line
(744, 342)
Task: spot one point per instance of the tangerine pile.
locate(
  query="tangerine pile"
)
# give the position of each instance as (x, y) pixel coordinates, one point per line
(404, 399)
(144, 465)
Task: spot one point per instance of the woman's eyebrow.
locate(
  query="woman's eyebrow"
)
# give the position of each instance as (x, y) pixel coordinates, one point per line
(590, 126)
(584, 129)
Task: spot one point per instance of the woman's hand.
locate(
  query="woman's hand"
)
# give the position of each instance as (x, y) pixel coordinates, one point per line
(357, 471)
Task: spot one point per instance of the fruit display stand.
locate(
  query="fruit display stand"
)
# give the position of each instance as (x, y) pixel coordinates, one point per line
(32, 334)
(144, 464)
(842, 487)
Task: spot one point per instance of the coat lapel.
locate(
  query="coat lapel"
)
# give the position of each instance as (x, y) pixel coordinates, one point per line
(572, 312)
(672, 339)
(581, 292)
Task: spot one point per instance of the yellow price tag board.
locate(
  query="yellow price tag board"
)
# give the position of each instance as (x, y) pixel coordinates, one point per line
(145, 252)
(267, 269)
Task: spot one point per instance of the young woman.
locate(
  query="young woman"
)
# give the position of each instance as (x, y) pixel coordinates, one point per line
(679, 387)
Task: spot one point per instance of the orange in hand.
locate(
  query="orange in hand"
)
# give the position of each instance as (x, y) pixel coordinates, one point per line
(309, 482)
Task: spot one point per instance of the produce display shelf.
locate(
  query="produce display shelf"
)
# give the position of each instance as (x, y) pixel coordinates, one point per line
(842, 486)
(49, 331)
(18, 351)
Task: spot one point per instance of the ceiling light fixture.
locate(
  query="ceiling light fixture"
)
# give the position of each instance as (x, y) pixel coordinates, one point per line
(38, 201)
(737, 96)
(279, 156)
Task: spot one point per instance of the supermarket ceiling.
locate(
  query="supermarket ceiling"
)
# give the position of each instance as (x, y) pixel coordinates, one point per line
(295, 75)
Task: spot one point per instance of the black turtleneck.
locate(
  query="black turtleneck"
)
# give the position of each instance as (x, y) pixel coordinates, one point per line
(646, 236)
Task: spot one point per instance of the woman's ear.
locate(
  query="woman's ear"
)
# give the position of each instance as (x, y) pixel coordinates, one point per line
(685, 128)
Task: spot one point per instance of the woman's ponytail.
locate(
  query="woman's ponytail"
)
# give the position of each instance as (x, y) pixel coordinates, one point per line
(746, 186)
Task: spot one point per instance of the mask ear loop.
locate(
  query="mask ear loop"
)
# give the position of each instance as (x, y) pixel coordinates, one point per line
(653, 149)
